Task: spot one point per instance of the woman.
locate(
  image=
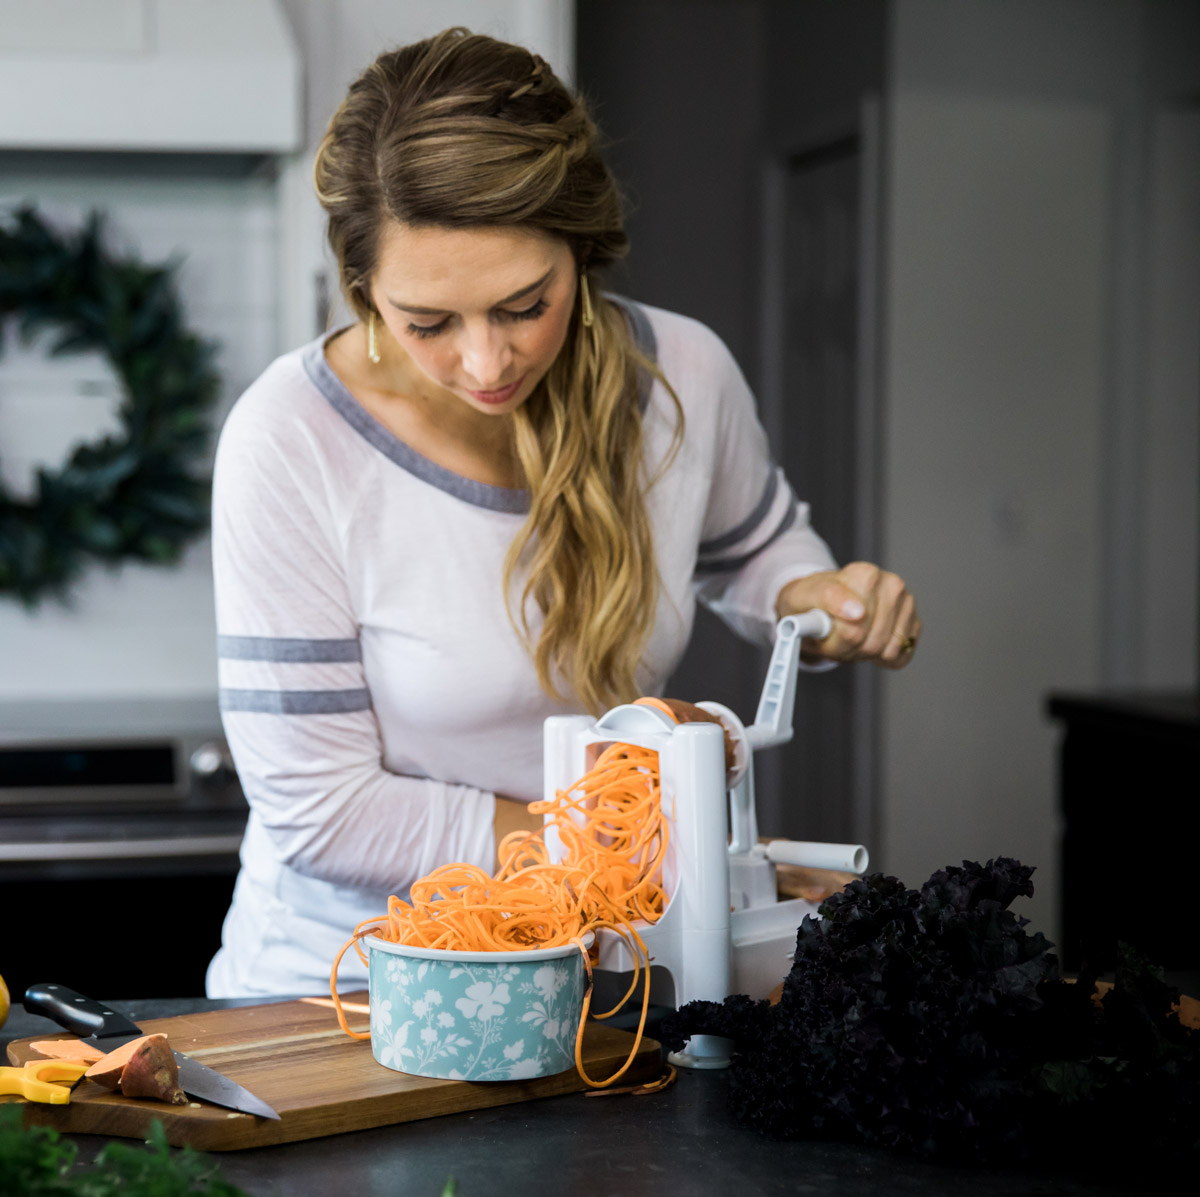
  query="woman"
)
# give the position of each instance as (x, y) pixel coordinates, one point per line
(492, 498)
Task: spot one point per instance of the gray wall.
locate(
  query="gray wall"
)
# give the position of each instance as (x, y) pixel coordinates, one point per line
(1038, 325)
(1016, 461)
(698, 97)
(678, 91)
(678, 88)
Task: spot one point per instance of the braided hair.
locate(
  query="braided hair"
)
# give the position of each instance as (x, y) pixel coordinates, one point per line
(464, 131)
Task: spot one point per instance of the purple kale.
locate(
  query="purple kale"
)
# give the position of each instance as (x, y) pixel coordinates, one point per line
(932, 1022)
(902, 1021)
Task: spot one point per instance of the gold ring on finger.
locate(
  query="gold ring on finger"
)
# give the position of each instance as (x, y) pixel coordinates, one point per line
(908, 644)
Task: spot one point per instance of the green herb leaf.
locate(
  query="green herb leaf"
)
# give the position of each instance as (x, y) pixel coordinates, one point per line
(36, 1162)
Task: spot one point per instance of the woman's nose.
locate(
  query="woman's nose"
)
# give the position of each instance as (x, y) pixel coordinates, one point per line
(486, 357)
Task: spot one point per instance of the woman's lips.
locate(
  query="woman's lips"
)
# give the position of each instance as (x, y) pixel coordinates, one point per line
(501, 396)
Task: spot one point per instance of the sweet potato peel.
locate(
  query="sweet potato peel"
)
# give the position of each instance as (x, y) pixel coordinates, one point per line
(142, 1067)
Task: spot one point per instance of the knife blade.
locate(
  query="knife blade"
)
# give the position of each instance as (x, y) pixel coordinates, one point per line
(107, 1029)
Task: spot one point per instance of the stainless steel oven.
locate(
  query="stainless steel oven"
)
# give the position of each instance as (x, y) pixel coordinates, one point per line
(119, 821)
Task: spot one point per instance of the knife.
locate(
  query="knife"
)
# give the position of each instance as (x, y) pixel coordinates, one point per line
(110, 1030)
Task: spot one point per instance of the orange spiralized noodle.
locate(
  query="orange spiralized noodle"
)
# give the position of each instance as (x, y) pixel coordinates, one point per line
(609, 876)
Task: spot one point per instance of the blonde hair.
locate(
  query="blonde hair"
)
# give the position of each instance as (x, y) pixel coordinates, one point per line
(461, 131)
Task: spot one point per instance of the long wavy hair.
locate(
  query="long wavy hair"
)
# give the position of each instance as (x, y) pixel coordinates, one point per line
(461, 131)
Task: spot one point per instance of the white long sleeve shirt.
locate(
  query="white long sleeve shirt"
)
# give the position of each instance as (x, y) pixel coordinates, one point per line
(373, 690)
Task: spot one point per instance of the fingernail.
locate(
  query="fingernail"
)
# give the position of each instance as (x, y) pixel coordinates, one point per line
(853, 609)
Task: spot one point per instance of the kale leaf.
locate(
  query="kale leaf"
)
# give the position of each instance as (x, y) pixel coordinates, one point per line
(932, 1021)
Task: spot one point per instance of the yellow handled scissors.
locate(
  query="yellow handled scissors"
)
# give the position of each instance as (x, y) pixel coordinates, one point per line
(35, 1080)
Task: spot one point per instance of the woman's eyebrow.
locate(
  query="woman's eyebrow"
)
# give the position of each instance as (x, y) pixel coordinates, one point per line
(414, 310)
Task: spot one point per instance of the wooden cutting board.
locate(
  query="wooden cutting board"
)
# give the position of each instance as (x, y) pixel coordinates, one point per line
(320, 1081)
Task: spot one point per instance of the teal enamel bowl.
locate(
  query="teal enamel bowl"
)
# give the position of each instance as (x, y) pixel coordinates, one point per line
(475, 1016)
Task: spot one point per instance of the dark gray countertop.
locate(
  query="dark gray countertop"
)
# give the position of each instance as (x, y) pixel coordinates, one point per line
(681, 1141)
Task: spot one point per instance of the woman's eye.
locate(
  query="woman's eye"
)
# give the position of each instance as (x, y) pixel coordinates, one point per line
(432, 330)
(530, 313)
(427, 330)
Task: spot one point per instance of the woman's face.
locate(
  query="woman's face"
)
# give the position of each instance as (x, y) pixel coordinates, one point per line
(480, 312)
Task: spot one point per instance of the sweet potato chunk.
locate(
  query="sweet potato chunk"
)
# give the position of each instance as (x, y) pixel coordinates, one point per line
(141, 1068)
(107, 1070)
(67, 1049)
(153, 1072)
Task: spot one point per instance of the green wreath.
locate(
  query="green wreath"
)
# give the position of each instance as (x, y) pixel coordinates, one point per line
(143, 493)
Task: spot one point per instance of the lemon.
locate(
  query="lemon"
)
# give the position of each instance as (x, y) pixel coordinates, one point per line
(3, 1002)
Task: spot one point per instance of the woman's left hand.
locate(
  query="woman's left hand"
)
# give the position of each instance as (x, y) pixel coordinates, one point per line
(874, 615)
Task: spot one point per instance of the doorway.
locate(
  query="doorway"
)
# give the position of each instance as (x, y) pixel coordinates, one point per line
(774, 249)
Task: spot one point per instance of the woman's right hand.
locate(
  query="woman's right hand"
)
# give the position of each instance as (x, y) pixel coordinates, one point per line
(874, 614)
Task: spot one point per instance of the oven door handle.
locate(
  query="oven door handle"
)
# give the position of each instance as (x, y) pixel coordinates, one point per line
(130, 849)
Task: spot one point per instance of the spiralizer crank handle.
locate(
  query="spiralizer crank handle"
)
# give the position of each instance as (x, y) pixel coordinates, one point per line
(845, 858)
(773, 721)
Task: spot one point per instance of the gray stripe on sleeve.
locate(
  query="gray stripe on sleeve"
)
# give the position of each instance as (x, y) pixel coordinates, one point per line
(749, 524)
(732, 563)
(295, 702)
(283, 648)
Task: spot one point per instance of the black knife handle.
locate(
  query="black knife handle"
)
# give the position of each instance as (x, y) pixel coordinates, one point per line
(76, 1012)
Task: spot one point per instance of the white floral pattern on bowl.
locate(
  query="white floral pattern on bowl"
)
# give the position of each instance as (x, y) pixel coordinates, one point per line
(475, 1016)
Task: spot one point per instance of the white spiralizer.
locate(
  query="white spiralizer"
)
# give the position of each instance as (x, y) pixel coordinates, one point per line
(724, 929)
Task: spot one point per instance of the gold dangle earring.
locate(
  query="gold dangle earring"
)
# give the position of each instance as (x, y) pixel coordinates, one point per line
(585, 300)
(372, 343)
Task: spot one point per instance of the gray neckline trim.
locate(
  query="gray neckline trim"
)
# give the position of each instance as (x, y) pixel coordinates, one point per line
(644, 338)
(481, 494)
